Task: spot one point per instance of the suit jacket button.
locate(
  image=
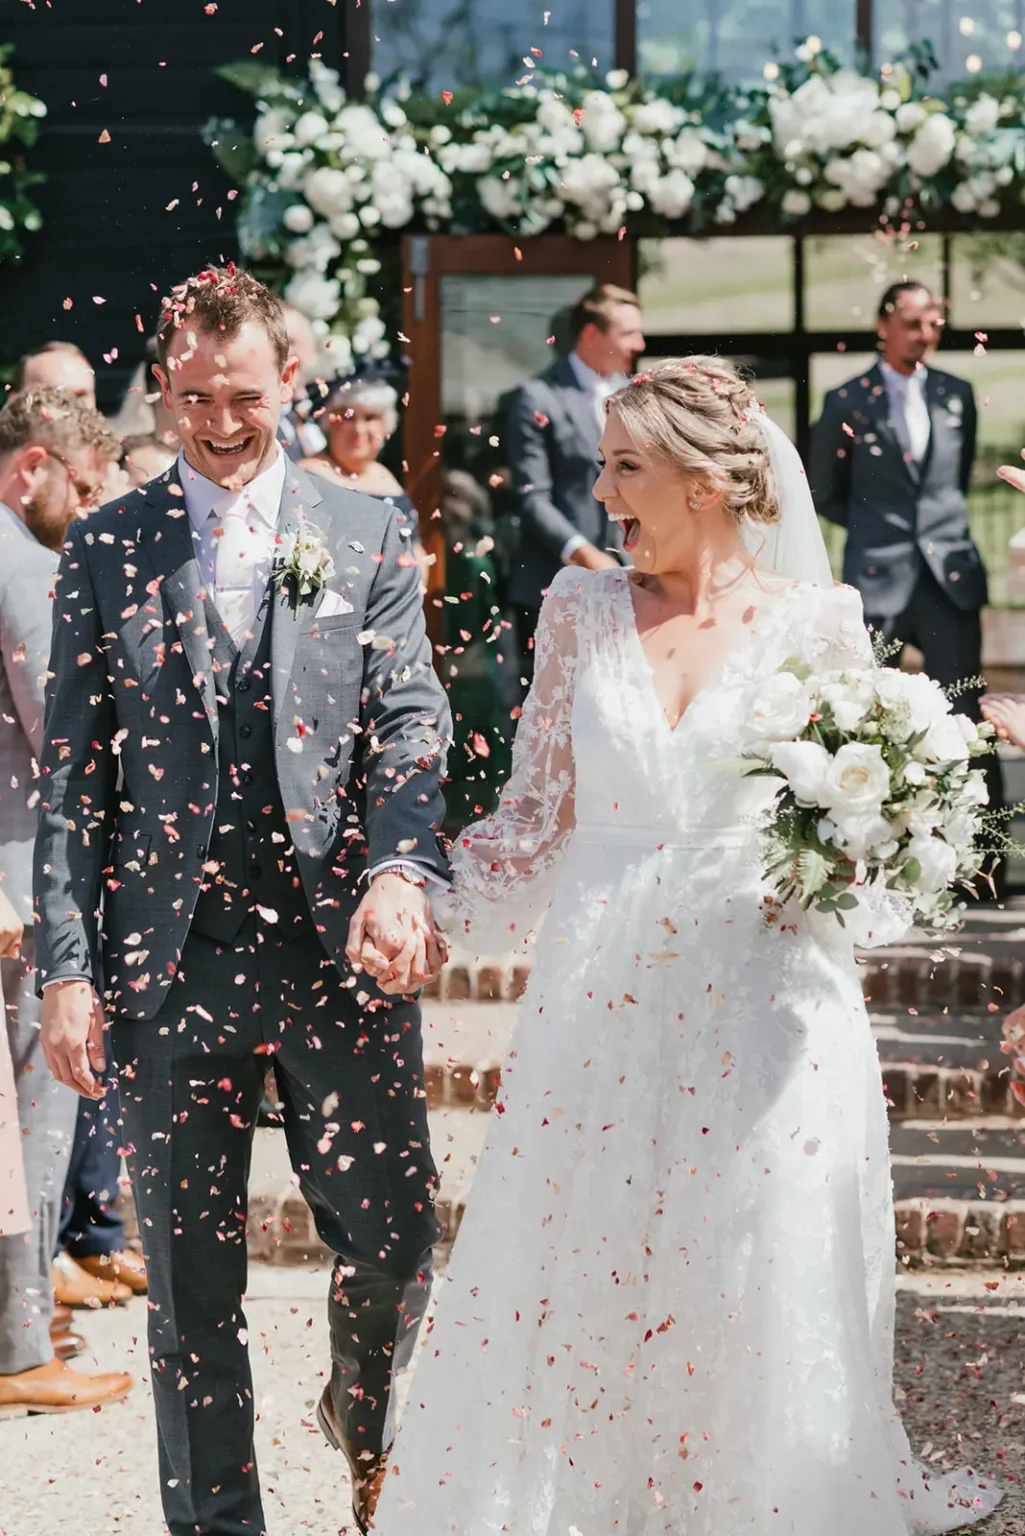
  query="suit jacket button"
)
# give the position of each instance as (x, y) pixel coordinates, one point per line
(245, 730)
(200, 853)
(243, 685)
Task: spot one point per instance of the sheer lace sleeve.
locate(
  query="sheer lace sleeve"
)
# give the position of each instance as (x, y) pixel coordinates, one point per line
(504, 868)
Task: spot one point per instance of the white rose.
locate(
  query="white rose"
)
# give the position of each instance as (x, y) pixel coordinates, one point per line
(913, 699)
(936, 860)
(975, 790)
(959, 830)
(860, 834)
(914, 772)
(782, 709)
(849, 699)
(983, 115)
(932, 146)
(310, 127)
(858, 781)
(328, 191)
(944, 742)
(910, 116)
(796, 204)
(298, 219)
(804, 764)
(881, 129)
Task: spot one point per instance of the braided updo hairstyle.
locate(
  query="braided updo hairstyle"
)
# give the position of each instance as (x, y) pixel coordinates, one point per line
(700, 414)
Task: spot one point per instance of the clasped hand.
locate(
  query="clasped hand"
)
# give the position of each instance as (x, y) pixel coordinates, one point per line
(393, 936)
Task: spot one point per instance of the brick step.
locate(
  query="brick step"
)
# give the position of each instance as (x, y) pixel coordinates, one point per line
(981, 1159)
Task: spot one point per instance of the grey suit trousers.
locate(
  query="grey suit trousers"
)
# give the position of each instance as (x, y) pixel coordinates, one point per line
(46, 1113)
(191, 1080)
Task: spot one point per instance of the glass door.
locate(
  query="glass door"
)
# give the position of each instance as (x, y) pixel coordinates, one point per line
(481, 314)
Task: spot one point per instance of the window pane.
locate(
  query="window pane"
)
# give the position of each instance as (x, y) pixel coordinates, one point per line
(735, 38)
(846, 275)
(494, 334)
(987, 34)
(445, 44)
(987, 281)
(733, 283)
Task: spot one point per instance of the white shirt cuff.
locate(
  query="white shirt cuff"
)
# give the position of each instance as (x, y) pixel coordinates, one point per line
(571, 546)
(421, 871)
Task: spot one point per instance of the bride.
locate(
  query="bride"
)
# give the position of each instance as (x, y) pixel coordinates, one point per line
(670, 1306)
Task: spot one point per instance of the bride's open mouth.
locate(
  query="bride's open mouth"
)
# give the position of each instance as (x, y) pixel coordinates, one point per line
(631, 533)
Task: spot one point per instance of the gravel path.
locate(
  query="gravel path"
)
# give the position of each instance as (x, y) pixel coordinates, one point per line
(960, 1362)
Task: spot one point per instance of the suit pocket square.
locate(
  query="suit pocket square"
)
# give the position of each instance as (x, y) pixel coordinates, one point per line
(332, 604)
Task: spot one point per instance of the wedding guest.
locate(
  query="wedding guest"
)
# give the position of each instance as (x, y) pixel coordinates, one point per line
(891, 462)
(53, 457)
(142, 413)
(14, 1213)
(361, 415)
(554, 426)
(146, 457)
(299, 434)
(62, 364)
(1007, 710)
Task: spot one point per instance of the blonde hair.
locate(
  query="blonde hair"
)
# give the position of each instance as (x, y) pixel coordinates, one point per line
(699, 413)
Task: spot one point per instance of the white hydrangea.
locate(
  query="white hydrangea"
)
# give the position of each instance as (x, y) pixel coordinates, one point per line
(983, 116)
(328, 191)
(657, 117)
(500, 197)
(933, 145)
(271, 127)
(672, 194)
(688, 152)
(910, 116)
(795, 203)
(588, 183)
(298, 219)
(364, 134)
(310, 128)
(743, 192)
(318, 297)
(860, 176)
(315, 251)
(325, 82)
(602, 123)
(824, 114)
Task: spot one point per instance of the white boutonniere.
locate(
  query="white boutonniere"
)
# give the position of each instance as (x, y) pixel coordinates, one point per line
(303, 562)
(955, 405)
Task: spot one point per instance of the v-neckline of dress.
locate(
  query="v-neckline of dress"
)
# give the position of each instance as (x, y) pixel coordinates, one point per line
(713, 679)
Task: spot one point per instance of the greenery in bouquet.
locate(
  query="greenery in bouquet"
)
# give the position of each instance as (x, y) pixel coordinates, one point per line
(881, 800)
(324, 177)
(20, 115)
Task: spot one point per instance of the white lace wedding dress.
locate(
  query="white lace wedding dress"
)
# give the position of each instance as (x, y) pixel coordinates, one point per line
(670, 1305)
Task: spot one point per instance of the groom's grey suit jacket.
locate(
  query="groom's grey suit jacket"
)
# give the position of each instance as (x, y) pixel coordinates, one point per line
(129, 760)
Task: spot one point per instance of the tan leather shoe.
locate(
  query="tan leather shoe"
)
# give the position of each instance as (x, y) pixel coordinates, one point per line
(126, 1267)
(366, 1470)
(73, 1287)
(56, 1388)
(66, 1343)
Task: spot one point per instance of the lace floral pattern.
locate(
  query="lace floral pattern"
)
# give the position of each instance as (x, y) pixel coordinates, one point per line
(670, 1304)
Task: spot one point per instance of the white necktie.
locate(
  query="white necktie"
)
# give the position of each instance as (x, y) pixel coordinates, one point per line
(915, 410)
(236, 561)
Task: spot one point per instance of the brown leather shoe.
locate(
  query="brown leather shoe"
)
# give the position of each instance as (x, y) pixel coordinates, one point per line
(66, 1343)
(126, 1267)
(56, 1388)
(366, 1470)
(73, 1287)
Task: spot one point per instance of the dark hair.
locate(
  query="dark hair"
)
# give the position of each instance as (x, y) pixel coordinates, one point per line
(888, 302)
(67, 347)
(55, 419)
(223, 299)
(597, 307)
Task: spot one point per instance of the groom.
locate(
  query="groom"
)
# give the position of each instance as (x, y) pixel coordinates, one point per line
(227, 756)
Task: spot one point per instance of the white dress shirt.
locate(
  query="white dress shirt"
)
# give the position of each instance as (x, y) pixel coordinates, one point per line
(597, 387)
(258, 503)
(909, 408)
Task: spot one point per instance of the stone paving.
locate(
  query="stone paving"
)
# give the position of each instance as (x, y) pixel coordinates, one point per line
(960, 1364)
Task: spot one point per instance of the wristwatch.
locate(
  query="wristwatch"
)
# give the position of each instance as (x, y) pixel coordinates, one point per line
(409, 874)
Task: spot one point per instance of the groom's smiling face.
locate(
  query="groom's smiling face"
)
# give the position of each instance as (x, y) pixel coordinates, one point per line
(226, 394)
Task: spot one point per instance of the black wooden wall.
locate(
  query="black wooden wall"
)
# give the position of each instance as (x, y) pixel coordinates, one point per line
(108, 230)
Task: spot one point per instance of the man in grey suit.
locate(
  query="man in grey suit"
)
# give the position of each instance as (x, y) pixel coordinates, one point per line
(891, 462)
(242, 726)
(554, 428)
(54, 456)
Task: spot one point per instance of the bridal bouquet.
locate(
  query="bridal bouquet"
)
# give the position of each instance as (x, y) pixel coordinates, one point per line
(880, 802)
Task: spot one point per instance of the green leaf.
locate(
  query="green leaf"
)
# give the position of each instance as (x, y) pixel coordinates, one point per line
(847, 901)
(251, 76)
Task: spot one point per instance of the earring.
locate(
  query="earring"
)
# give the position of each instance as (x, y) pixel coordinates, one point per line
(694, 502)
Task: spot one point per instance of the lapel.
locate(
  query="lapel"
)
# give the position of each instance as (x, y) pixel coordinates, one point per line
(877, 405)
(166, 535)
(298, 499)
(578, 403)
(936, 399)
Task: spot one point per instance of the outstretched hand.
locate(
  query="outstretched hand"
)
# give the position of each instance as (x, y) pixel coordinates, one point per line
(1006, 711)
(393, 936)
(1013, 475)
(11, 928)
